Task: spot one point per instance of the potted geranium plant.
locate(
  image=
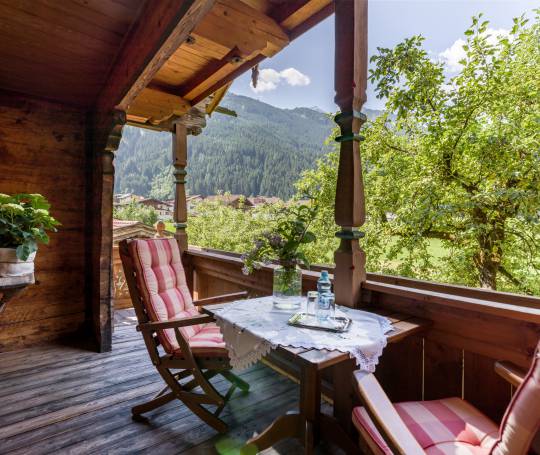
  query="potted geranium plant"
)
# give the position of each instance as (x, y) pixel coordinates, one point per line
(24, 222)
(282, 245)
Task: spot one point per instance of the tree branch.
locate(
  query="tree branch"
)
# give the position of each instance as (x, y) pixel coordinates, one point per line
(514, 280)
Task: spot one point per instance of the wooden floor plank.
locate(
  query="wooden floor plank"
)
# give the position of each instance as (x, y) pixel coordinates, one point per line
(66, 400)
(99, 430)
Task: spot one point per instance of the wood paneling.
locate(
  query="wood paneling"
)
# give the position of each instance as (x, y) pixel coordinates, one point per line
(443, 369)
(484, 388)
(42, 150)
(400, 369)
(61, 50)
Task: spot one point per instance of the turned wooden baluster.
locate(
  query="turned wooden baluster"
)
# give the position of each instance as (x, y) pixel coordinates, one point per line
(180, 205)
(350, 87)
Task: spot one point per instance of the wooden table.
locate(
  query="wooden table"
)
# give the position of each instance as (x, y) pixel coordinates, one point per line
(11, 286)
(309, 423)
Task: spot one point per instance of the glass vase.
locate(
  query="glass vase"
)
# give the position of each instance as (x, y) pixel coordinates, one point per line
(287, 288)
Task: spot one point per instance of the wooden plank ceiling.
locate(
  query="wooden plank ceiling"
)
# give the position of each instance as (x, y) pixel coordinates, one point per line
(64, 50)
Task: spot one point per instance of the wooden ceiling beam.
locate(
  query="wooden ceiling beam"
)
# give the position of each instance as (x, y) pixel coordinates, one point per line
(312, 21)
(162, 27)
(309, 23)
(231, 76)
(157, 106)
(232, 23)
(232, 58)
(282, 11)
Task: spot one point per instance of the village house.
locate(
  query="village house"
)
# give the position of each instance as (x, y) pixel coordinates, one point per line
(164, 209)
(236, 201)
(263, 200)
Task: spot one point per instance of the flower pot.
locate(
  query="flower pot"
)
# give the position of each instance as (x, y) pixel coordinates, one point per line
(11, 265)
(287, 288)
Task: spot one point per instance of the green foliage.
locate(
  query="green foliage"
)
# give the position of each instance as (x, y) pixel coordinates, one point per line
(284, 242)
(136, 212)
(24, 222)
(458, 160)
(218, 226)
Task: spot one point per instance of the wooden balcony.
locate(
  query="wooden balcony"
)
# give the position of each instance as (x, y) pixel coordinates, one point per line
(64, 99)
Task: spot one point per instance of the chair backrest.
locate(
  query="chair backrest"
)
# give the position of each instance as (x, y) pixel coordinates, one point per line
(161, 285)
(521, 421)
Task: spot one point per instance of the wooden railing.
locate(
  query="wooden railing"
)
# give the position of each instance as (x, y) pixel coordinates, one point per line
(471, 329)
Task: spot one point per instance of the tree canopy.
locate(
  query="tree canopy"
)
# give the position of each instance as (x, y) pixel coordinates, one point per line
(455, 160)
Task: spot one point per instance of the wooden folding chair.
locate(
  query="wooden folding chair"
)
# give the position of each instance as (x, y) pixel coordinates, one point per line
(449, 426)
(191, 343)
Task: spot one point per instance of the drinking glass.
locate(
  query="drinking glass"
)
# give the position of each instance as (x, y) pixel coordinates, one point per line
(327, 306)
(311, 303)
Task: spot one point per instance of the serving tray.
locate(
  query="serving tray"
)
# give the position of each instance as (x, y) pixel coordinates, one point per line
(336, 324)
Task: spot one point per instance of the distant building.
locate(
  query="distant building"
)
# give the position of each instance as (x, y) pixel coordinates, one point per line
(263, 200)
(164, 209)
(192, 200)
(231, 200)
(126, 198)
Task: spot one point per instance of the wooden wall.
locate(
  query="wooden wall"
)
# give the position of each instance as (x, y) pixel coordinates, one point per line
(42, 150)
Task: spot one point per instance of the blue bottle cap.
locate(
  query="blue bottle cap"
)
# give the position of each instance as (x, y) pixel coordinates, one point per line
(324, 274)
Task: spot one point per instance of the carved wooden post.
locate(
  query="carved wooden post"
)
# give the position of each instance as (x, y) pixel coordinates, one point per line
(179, 152)
(106, 135)
(350, 86)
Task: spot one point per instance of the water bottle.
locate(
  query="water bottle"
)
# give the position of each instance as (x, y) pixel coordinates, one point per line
(324, 285)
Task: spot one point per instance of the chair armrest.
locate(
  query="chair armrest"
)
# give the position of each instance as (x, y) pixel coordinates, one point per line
(175, 323)
(221, 299)
(512, 373)
(384, 415)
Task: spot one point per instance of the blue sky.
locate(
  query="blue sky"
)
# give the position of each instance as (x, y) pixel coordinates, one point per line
(302, 74)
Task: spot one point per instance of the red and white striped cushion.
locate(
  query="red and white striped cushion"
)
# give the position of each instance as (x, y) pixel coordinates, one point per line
(162, 283)
(439, 426)
(207, 343)
(521, 421)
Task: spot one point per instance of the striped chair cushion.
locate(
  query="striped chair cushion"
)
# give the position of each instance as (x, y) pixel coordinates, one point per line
(208, 342)
(447, 426)
(162, 283)
(521, 421)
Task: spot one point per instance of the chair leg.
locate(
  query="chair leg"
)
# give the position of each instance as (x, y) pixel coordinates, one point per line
(208, 374)
(160, 400)
(226, 399)
(235, 380)
(191, 400)
(207, 386)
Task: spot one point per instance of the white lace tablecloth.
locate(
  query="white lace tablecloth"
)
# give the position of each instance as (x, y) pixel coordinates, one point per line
(252, 328)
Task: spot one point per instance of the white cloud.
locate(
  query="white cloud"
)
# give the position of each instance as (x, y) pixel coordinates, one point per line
(269, 79)
(453, 54)
(295, 77)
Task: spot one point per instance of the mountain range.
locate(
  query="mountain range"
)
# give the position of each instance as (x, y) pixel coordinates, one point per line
(262, 151)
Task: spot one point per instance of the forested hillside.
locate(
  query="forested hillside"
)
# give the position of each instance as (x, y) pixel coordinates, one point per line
(260, 152)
